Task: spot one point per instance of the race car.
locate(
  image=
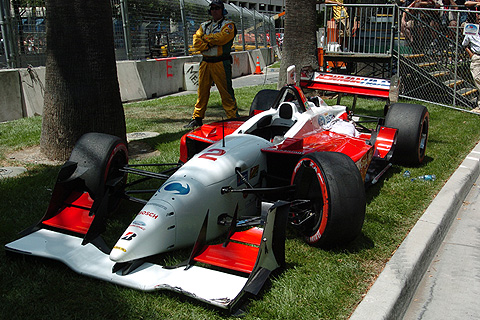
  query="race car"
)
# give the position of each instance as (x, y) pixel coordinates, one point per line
(237, 185)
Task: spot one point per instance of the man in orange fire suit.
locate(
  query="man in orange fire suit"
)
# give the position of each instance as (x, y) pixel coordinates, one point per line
(214, 40)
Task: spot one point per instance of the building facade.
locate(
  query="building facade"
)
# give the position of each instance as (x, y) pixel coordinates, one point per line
(263, 6)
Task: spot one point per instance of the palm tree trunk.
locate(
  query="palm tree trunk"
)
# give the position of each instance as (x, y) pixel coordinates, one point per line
(81, 86)
(300, 41)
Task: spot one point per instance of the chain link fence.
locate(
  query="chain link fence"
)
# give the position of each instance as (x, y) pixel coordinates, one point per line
(422, 46)
(142, 29)
(23, 34)
(358, 39)
(434, 65)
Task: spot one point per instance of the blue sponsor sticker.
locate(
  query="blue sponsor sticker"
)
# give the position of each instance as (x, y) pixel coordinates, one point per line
(177, 188)
(139, 223)
(325, 119)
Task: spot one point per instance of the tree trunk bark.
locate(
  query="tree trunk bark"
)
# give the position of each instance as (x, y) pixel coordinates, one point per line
(81, 86)
(300, 41)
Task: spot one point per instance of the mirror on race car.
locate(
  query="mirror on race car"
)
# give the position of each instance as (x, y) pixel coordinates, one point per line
(291, 77)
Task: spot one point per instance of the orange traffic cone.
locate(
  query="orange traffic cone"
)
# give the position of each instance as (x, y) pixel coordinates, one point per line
(257, 68)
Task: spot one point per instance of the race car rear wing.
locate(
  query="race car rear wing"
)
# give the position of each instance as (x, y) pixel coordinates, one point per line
(347, 84)
(350, 84)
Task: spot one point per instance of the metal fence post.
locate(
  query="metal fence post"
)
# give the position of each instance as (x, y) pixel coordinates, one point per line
(255, 28)
(393, 32)
(126, 28)
(397, 32)
(4, 29)
(457, 31)
(184, 22)
(265, 42)
(7, 35)
(243, 29)
(273, 34)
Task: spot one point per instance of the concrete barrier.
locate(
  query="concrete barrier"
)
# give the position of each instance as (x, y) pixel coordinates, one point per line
(33, 90)
(258, 53)
(131, 88)
(22, 90)
(163, 76)
(190, 71)
(265, 56)
(11, 105)
(241, 64)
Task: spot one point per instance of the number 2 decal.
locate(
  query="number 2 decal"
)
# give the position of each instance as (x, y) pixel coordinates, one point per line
(213, 154)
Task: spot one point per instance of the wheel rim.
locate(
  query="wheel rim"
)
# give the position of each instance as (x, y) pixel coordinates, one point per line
(118, 159)
(423, 137)
(318, 196)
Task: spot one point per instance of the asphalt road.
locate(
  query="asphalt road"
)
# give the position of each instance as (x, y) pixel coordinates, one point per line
(450, 289)
(269, 76)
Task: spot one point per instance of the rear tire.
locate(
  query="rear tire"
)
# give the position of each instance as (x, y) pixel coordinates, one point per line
(412, 121)
(334, 186)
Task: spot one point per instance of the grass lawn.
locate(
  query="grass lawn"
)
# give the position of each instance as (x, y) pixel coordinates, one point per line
(316, 284)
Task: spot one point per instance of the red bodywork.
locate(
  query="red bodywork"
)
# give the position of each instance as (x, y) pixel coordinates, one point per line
(311, 137)
(73, 214)
(356, 148)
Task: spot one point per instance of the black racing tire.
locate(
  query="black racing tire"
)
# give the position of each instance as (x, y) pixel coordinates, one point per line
(102, 155)
(412, 121)
(334, 186)
(263, 100)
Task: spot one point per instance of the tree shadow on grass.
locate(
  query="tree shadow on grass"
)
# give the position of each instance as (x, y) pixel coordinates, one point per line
(165, 138)
(64, 293)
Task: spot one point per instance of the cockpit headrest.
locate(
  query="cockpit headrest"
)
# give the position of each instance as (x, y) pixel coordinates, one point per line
(286, 110)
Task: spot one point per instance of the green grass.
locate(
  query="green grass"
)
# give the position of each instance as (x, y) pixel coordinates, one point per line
(275, 65)
(317, 284)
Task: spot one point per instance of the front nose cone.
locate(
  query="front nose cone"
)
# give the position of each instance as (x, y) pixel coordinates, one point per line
(151, 232)
(118, 254)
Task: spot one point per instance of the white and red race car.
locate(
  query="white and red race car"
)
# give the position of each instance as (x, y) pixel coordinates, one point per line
(293, 161)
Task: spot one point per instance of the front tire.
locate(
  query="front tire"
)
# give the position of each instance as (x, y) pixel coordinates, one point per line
(334, 187)
(102, 155)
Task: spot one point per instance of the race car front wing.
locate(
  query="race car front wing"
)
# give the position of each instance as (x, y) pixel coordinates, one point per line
(223, 287)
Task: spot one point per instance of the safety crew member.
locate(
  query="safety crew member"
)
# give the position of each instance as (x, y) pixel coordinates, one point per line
(214, 40)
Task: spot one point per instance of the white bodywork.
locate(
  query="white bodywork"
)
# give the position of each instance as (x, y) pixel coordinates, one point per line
(211, 286)
(214, 287)
(303, 124)
(173, 216)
